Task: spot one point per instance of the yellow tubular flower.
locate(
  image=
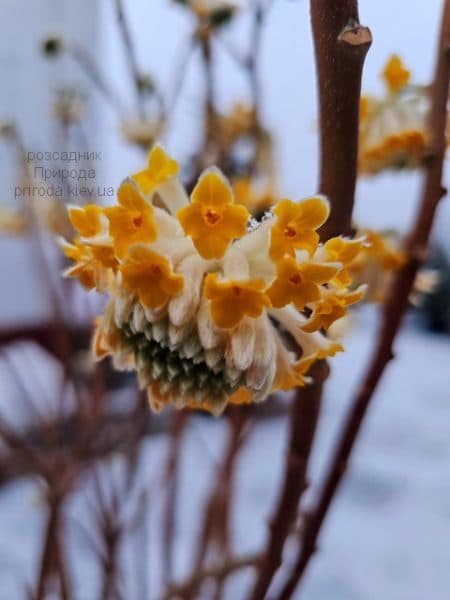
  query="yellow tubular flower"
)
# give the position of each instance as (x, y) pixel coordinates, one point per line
(161, 167)
(92, 264)
(345, 251)
(150, 276)
(212, 220)
(87, 220)
(132, 221)
(395, 75)
(331, 308)
(379, 257)
(400, 150)
(291, 373)
(295, 228)
(379, 247)
(104, 342)
(231, 301)
(298, 283)
(109, 339)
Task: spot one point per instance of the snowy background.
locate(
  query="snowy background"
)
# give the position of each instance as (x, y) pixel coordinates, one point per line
(388, 534)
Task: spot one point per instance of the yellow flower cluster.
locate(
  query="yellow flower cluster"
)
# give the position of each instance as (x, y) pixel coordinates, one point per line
(239, 122)
(205, 301)
(374, 265)
(392, 128)
(211, 14)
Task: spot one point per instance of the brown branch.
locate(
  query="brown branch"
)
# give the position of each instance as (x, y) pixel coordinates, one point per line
(92, 70)
(204, 37)
(340, 45)
(259, 15)
(180, 72)
(178, 424)
(52, 563)
(217, 572)
(304, 414)
(42, 333)
(29, 452)
(215, 525)
(46, 282)
(110, 530)
(130, 56)
(393, 310)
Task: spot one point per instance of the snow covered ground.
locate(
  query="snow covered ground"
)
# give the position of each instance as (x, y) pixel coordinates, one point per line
(387, 536)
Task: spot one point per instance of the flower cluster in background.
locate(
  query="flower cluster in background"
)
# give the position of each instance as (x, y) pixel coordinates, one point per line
(379, 258)
(392, 128)
(206, 303)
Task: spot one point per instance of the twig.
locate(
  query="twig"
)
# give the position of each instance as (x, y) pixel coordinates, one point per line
(52, 564)
(87, 63)
(393, 310)
(260, 12)
(142, 558)
(240, 60)
(218, 572)
(58, 330)
(204, 37)
(215, 526)
(180, 74)
(259, 16)
(130, 56)
(179, 421)
(110, 530)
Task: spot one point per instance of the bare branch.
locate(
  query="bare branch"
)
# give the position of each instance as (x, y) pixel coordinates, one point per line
(130, 55)
(340, 45)
(217, 572)
(393, 310)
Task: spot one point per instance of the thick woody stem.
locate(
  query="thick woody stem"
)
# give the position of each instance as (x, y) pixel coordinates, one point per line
(215, 526)
(341, 44)
(304, 412)
(393, 310)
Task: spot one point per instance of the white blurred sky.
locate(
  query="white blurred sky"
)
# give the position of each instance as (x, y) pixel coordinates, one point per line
(288, 83)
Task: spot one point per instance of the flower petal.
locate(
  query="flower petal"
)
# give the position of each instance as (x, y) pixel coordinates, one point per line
(212, 189)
